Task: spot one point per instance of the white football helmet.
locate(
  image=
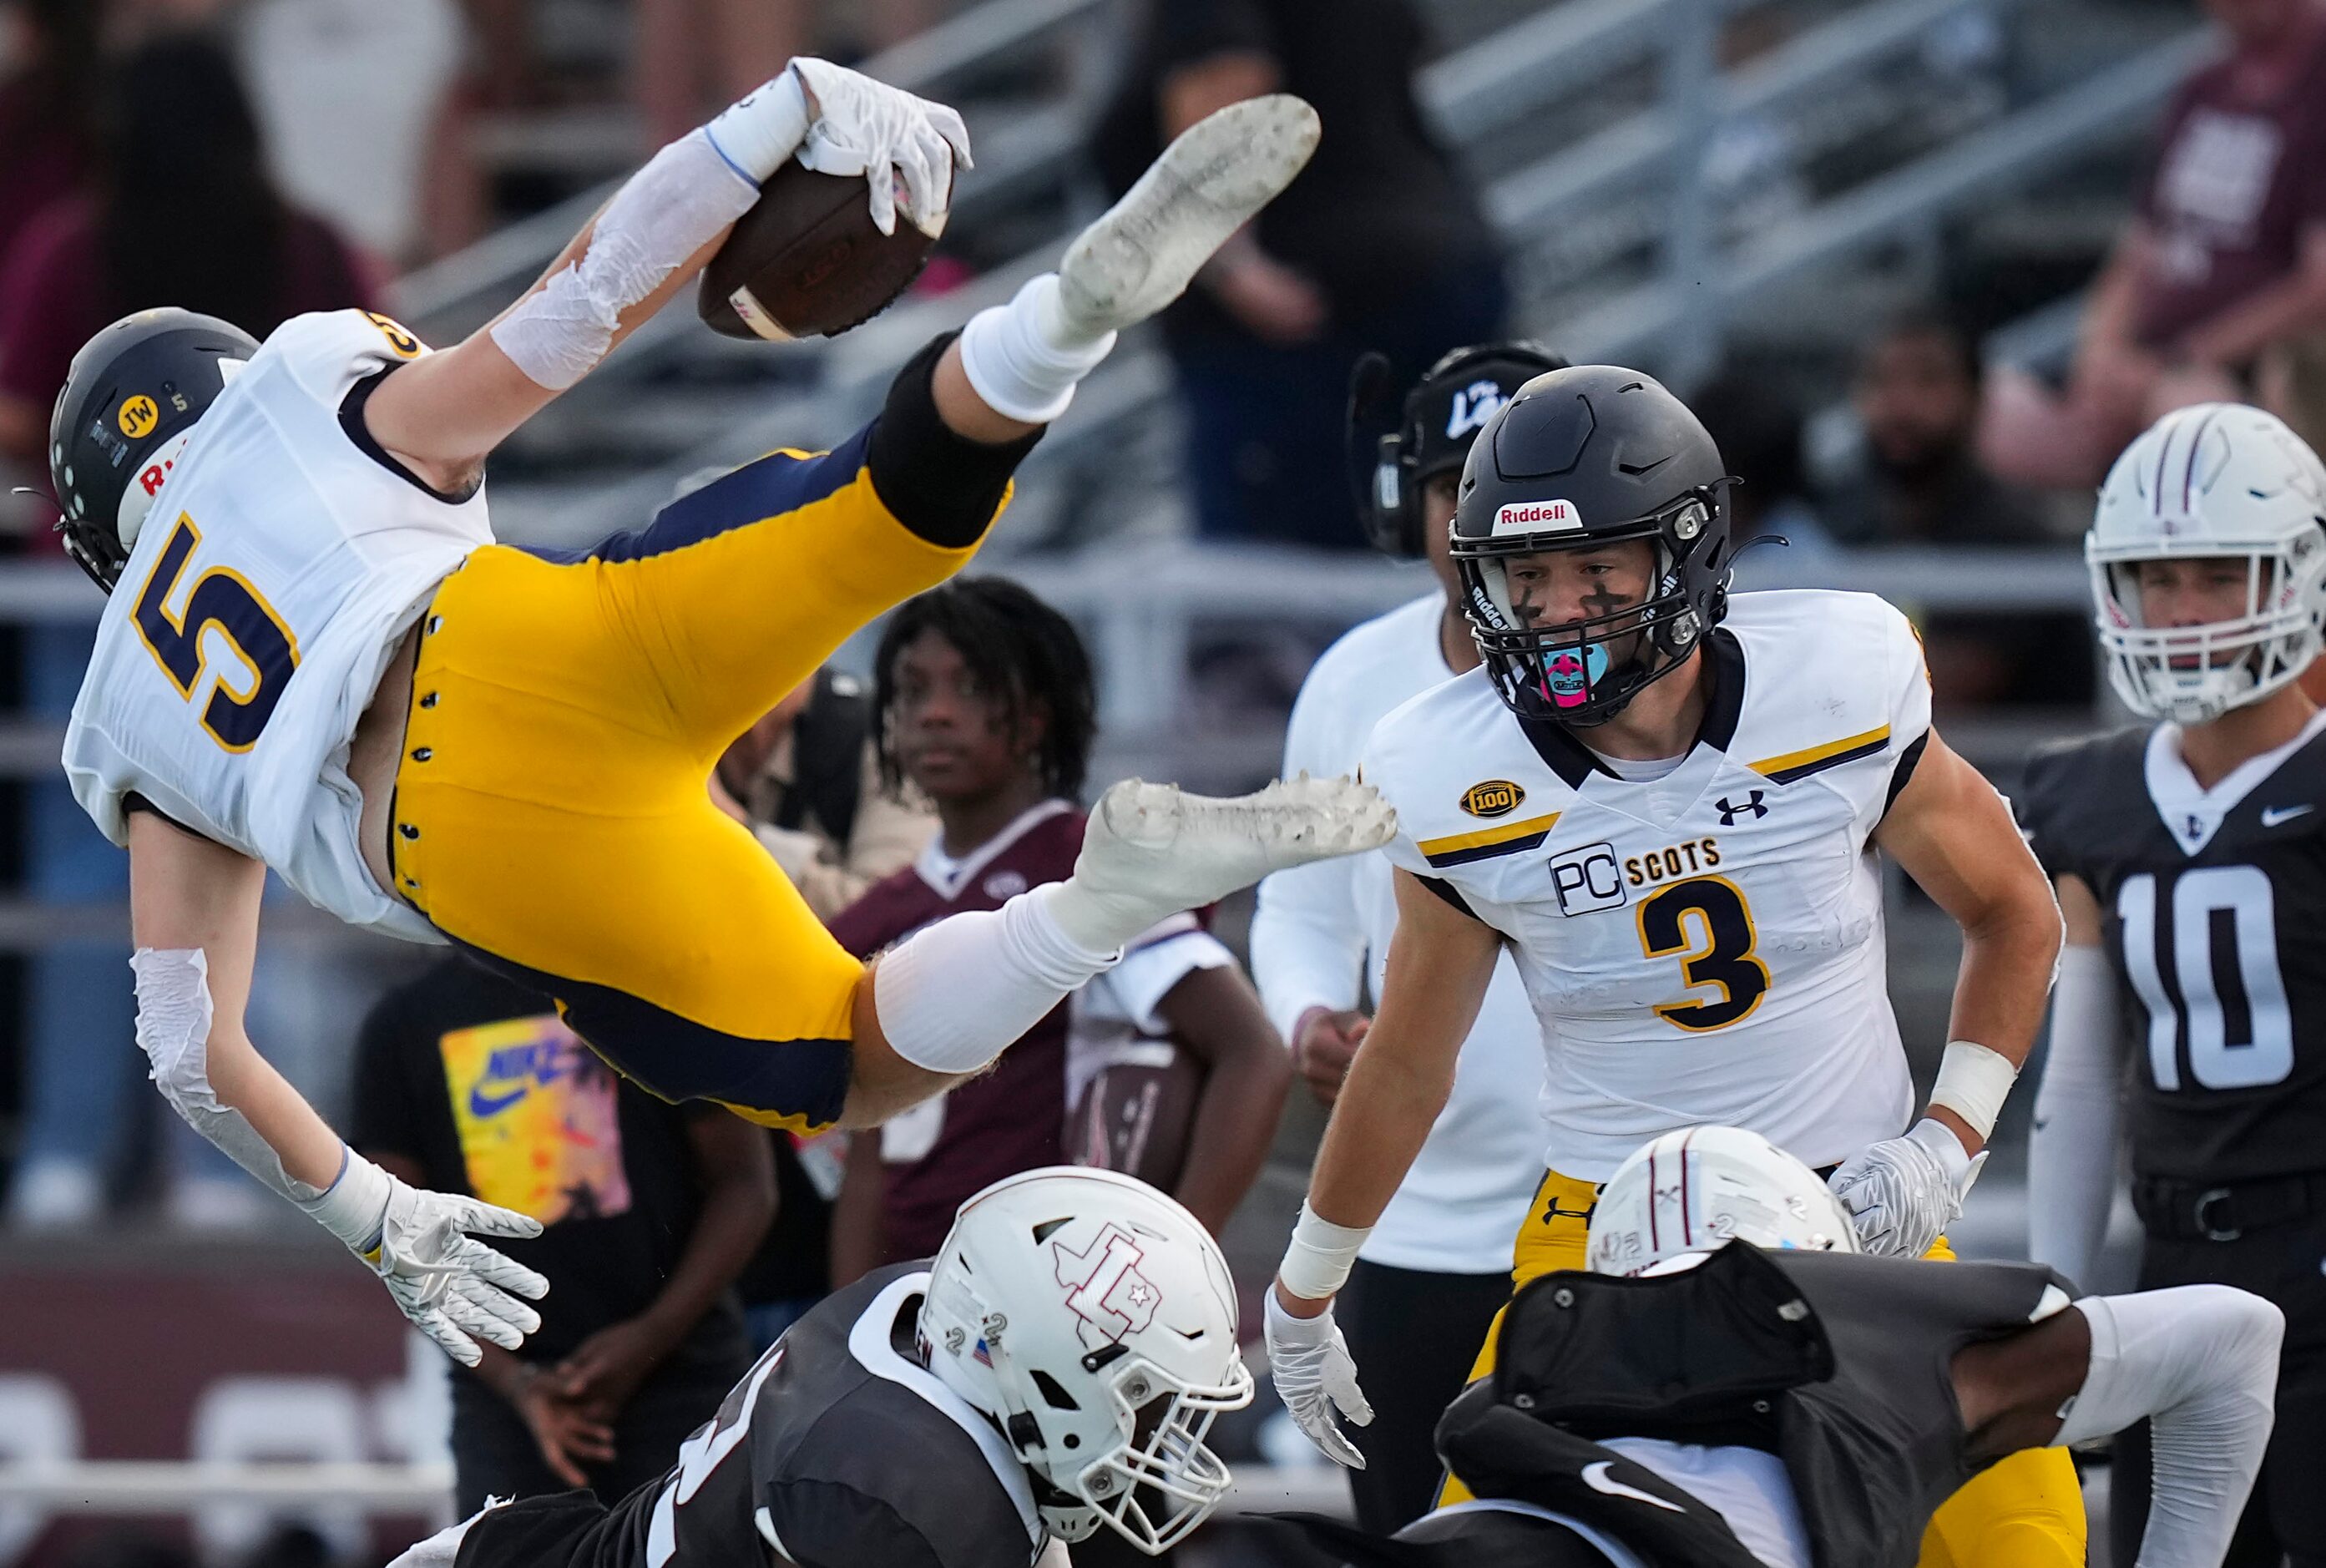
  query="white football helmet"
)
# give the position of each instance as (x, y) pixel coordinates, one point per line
(1094, 1320)
(2216, 479)
(1695, 1190)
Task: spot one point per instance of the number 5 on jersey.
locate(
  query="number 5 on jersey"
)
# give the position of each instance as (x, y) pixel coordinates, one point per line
(242, 699)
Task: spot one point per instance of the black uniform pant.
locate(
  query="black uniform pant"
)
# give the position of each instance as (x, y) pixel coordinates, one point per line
(1414, 1336)
(2286, 1519)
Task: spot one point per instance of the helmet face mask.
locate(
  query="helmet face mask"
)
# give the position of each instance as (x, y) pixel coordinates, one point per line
(2213, 482)
(1093, 1320)
(1589, 456)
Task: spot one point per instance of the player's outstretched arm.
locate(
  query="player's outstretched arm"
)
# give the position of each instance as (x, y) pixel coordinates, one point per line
(2071, 1150)
(194, 915)
(442, 414)
(1440, 965)
(2198, 1362)
(1950, 832)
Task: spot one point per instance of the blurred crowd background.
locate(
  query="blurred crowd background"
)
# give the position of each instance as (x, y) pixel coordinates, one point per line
(1923, 266)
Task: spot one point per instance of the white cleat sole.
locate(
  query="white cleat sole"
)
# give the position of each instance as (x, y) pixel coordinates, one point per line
(1208, 184)
(1163, 843)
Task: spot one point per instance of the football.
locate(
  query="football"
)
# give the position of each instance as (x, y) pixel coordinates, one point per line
(1137, 1119)
(806, 261)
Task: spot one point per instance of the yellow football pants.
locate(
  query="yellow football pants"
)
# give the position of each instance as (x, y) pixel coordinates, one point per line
(2025, 1512)
(550, 808)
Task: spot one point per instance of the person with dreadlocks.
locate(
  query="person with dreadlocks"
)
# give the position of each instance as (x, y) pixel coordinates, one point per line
(982, 700)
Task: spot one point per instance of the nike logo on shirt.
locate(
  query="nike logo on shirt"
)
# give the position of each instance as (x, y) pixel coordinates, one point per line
(2273, 814)
(1595, 1476)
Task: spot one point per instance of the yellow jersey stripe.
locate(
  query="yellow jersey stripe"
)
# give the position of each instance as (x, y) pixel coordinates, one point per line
(1503, 838)
(1812, 759)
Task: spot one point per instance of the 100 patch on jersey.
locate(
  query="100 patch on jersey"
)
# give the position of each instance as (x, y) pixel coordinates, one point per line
(223, 599)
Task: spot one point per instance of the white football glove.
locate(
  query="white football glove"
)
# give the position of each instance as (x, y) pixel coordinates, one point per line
(450, 1286)
(1901, 1194)
(860, 127)
(1315, 1375)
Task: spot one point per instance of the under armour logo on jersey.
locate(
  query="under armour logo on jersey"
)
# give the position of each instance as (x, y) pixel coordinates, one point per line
(1473, 407)
(1105, 1289)
(1751, 803)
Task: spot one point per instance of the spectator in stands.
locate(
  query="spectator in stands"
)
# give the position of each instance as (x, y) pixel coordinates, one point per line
(695, 52)
(807, 780)
(47, 137)
(1917, 400)
(1758, 429)
(180, 173)
(1379, 244)
(984, 699)
(2225, 256)
(469, 1084)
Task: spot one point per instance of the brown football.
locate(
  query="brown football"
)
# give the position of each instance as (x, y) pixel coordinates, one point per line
(1138, 1120)
(805, 260)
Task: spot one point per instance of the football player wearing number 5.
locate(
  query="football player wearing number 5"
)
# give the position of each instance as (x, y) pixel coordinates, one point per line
(1667, 804)
(319, 660)
(2191, 860)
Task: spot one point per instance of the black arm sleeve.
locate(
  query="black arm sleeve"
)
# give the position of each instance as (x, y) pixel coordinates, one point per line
(943, 486)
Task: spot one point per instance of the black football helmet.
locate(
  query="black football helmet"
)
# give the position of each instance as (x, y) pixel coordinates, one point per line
(134, 390)
(1441, 415)
(1591, 454)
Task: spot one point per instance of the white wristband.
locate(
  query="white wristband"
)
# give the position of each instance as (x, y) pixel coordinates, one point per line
(1973, 1083)
(1317, 1265)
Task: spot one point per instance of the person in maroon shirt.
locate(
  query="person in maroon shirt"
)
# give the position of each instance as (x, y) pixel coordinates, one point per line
(45, 132)
(2225, 257)
(983, 700)
(182, 192)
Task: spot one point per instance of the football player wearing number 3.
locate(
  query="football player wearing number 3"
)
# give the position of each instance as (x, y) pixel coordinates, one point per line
(1667, 804)
(322, 662)
(2190, 856)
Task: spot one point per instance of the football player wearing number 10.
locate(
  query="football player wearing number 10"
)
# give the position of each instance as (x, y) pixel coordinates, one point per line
(1666, 803)
(321, 661)
(2190, 860)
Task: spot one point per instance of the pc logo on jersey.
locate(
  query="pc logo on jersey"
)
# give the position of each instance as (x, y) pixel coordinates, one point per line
(1588, 878)
(1730, 812)
(1105, 1287)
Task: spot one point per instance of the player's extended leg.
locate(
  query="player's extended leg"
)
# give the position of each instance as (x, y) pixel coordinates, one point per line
(737, 592)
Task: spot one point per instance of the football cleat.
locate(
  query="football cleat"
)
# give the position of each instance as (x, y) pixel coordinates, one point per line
(1159, 844)
(1207, 183)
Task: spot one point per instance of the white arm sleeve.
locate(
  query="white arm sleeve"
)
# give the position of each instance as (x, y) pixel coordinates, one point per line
(1308, 943)
(2201, 1363)
(2071, 1151)
(173, 1029)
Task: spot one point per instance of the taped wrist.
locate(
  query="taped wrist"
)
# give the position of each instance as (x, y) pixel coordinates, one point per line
(1025, 359)
(354, 1207)
(762, 128)
(939, 483)
(1317, 1262)
(1973, 1083)
(674, 206)
(173, 1029)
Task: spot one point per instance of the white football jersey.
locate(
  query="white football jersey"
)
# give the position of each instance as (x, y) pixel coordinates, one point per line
(280, 565)
(1704, 946)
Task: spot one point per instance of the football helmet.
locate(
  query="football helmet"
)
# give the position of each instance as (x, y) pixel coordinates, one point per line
(1588, 455)
(1697, 1189)
(127, 407)
(2216, 479)
(1094, 1320)
(1441, 415)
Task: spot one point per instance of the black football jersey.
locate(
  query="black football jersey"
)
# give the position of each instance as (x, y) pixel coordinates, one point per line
(2213, 906)
(1839, 1364)
(838, 1451)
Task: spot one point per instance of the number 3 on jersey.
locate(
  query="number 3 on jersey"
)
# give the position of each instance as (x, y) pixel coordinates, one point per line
(219, 599)
(1704, 921)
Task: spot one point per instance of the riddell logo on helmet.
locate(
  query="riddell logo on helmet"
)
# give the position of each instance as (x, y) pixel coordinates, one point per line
(1537, 516)
(1105, 1288)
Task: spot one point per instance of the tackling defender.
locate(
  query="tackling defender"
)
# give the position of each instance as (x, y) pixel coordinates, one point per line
(2191, 860)
(1749, 1396)
(1666, 803)
(323, 663)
